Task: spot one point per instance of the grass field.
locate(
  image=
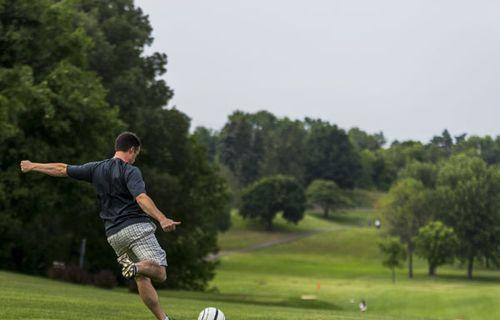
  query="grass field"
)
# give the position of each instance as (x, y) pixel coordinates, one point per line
(339, 264)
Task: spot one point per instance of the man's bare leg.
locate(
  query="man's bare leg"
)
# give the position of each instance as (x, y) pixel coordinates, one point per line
(151, 270)
(149, 296)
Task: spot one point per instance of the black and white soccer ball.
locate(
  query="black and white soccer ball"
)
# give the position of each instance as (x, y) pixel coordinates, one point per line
(211, 314)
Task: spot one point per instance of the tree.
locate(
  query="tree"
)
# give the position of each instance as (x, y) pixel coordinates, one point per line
(470, 203)
(394, 254)
(487, 147)
(329, 154)
(445, 141)
(209, 139)
(52, 109)
(72, 75)
(284, 153)
(326, 194)
(364, 141)
(242, 148)
(120, 31)
(437, 244)
(265, 198)
(407, 208)
(424, 172)
(175, 166)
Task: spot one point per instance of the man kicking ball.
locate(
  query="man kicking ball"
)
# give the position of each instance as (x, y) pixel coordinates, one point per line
(126, 210)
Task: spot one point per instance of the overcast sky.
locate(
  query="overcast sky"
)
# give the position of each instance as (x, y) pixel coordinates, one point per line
(407, 68)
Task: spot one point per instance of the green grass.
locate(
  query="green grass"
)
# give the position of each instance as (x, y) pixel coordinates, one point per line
(340, 265)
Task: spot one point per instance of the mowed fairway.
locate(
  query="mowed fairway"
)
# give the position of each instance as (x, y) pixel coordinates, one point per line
(338, 263)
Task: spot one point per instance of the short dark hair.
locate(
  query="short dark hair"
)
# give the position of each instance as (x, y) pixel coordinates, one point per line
(127, 140)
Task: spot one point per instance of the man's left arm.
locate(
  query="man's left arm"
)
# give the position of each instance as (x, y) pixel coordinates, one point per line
(51, 169)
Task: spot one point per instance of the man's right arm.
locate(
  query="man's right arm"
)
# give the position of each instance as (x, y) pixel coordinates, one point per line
(51, 169)
(147, 205)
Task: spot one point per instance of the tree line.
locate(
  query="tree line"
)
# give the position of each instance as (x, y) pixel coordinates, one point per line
(251, 146)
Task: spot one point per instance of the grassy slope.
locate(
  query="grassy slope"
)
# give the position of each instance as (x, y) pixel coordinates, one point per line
(268, 283)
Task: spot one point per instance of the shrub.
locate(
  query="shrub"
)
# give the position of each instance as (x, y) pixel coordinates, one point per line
(71, 273)
(105, 279)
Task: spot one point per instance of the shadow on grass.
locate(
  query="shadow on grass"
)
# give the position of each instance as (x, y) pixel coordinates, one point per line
(260, 300)
(464, 279)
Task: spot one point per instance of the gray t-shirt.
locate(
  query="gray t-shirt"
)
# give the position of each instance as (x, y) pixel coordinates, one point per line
(117, 184)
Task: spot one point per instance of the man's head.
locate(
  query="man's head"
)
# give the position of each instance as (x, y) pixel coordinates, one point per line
(127, 146)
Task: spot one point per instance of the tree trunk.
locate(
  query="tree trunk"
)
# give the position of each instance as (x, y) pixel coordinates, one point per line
(269, 225)
(410, 260)
(393, 275)
(470, 266)
(326, 211)
(432, 270)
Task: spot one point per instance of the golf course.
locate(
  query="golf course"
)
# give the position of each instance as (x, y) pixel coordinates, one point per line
(318, 269)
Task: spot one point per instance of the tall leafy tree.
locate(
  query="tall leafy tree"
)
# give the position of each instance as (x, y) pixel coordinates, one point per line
(72, 75)
(242, 147)
(470, 201)
(362, 140)
(407, 208)
(209, 139)
(53, 109)
(176, 168)
(120, 32)
(487, 147)
(329, 154)
(284, 152)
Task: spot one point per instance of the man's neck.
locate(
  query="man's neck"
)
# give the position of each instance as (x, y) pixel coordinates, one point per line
(121, 156)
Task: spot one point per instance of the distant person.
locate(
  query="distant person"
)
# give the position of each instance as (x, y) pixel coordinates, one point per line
(126, 210)
(378, 224)
(363, 306)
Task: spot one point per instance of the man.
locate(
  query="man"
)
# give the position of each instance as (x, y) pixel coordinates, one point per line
(126, 210)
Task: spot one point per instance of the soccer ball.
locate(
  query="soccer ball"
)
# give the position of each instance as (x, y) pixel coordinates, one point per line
(211, 314)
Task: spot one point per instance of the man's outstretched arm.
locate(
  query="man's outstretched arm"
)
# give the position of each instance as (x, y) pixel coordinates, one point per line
(52, 169)
(147, 205)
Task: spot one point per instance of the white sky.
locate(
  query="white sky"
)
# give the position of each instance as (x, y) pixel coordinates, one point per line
(408, 68)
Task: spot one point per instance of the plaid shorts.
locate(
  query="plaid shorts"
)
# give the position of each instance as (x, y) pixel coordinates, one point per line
(139, 242)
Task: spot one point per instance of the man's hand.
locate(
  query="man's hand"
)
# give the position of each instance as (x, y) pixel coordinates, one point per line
(26, 166)
(168, 224)
(149, 207)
